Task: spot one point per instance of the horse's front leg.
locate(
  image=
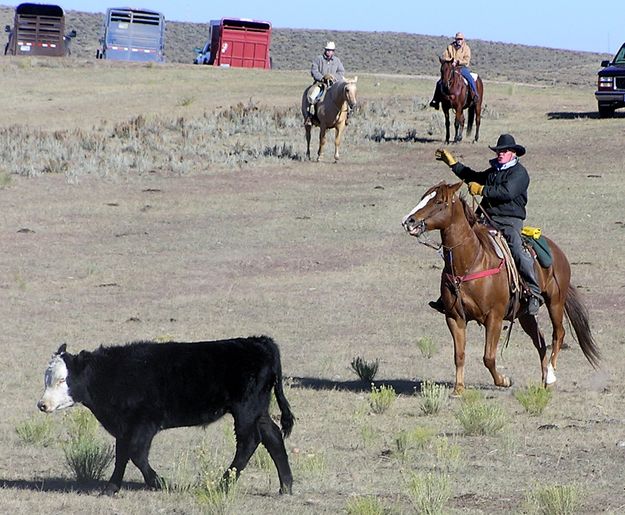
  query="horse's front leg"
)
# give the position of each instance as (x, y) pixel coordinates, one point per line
(338, 132)
(458, 329)
(530, 326)
(459, 126)
(322, 141)
(493, 332)
(447, 124)
(308, 131)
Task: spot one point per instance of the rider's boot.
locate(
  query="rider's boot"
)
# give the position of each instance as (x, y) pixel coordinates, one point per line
(437, 305)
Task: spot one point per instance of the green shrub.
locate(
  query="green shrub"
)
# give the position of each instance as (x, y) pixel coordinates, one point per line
(428, 492)
(86, 456)
(381, 399)
(448, 455)
(427, 346)
(534, 398)
(36, 431)
(478, 417)
(217, 494)
(554, 500)
(433, 397)
(366, 370)
(367, 505)
(415, 439)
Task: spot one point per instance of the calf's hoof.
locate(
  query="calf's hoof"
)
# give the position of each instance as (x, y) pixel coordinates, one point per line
(110, 490)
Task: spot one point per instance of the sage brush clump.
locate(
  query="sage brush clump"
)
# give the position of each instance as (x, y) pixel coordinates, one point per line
(433, 397)
(39, 431)
(86, 455)
(428, 492)
(478, 417)
(554, 500)
(381, 399)
(534, 398)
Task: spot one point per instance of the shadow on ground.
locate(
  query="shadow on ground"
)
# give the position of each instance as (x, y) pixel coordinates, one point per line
(59, 484)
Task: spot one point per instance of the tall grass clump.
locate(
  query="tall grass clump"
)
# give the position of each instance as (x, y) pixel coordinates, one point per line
(364, 369)
(534, 398)
(433, 397)
(554, 500)
(381, 398)
(86, 455)
(36, 431)
(427, 346)
(364, 505)
(478, 417)
(217, 494)
(415, 439)
(428, 492)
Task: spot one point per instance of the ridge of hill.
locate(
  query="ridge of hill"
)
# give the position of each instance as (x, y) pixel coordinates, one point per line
(366, 52)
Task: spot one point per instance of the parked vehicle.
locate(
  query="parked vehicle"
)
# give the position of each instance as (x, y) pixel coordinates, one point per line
(610, 92)
(237, 42)
(38, 29)
(133, 35)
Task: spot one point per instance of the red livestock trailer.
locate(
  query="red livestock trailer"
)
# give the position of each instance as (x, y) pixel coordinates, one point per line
(237, 42)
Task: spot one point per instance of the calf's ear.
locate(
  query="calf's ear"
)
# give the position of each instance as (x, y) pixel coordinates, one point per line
(62, 348)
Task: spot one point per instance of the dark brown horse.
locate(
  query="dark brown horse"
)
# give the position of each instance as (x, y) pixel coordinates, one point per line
(331, 113)
(455, 94)
(474, 286)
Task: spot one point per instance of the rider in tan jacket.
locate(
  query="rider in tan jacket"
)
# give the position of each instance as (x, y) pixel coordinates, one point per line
(459, 53)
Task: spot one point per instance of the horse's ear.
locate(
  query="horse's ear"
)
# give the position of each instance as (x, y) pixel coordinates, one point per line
(355, 78)
(455, 187)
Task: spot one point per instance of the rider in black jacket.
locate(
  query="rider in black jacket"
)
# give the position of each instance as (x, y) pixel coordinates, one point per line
(503, 187)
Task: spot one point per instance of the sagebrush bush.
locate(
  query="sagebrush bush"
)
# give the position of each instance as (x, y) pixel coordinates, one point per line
(364, 505)
(433, 397)
(534, 398)
(427, 346)
(217, 494)
(382, 398)
(554, 500)
(428, 492)
(86, 455)
(478, 417)
(36, 431)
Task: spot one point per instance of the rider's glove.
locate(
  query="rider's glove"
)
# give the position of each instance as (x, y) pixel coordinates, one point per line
(328, 77)
(475, 188)
(446, 157)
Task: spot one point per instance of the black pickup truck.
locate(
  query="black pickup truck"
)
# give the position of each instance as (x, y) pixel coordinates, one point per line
(610, 92)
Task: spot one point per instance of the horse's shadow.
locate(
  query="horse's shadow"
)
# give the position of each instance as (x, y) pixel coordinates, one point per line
(63, 485)
(401, 386)
(572, 115)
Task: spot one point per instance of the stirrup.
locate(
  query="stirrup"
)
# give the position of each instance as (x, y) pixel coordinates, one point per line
(437, 305)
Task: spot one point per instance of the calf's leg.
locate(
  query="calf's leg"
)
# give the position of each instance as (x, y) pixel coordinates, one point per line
(139, 450)
(121, 459)
(271, 438)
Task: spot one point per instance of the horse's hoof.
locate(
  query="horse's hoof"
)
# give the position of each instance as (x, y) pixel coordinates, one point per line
(507, 382)
(458, 391)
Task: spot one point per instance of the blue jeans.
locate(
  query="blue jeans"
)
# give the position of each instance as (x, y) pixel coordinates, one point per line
(466, 73)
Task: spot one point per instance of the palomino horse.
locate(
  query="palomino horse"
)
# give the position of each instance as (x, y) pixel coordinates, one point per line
(331, 112)
(455, 94)
(474, 286)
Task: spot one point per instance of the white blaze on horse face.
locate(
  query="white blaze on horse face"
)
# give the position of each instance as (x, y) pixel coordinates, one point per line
(420, 205)
(56, 394)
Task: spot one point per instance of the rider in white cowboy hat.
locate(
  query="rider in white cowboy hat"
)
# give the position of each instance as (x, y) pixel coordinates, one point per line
(503, 187)
(326, 69)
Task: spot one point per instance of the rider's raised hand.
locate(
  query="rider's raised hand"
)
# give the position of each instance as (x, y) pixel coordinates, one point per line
(445, 156)
(475, 188)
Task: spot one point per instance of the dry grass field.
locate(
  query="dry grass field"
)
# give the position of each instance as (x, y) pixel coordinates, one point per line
(172, 202)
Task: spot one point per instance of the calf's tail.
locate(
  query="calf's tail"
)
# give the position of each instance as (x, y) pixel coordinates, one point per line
(287, 420)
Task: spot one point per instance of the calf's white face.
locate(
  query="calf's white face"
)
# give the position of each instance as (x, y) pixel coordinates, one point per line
(56, 394)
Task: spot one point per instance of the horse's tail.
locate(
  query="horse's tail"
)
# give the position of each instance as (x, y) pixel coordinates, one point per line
(471, 118)
(577, 315)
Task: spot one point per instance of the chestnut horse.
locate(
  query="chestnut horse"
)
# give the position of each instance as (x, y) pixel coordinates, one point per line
(455, 94)
(331, 113)
(474, 286)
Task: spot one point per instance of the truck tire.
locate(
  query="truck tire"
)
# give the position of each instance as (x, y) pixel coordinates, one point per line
(605, 111)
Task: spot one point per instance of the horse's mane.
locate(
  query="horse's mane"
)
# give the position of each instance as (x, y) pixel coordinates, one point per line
(480, 230)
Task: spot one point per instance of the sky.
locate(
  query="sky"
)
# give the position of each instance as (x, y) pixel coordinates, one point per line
(571, 25)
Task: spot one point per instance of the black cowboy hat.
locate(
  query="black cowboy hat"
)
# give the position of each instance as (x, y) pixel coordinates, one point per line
(506, 142)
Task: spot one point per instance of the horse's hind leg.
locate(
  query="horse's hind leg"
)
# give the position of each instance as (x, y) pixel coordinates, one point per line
(530, 326)
(478, 117)
(556, 314)
(493, 332)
